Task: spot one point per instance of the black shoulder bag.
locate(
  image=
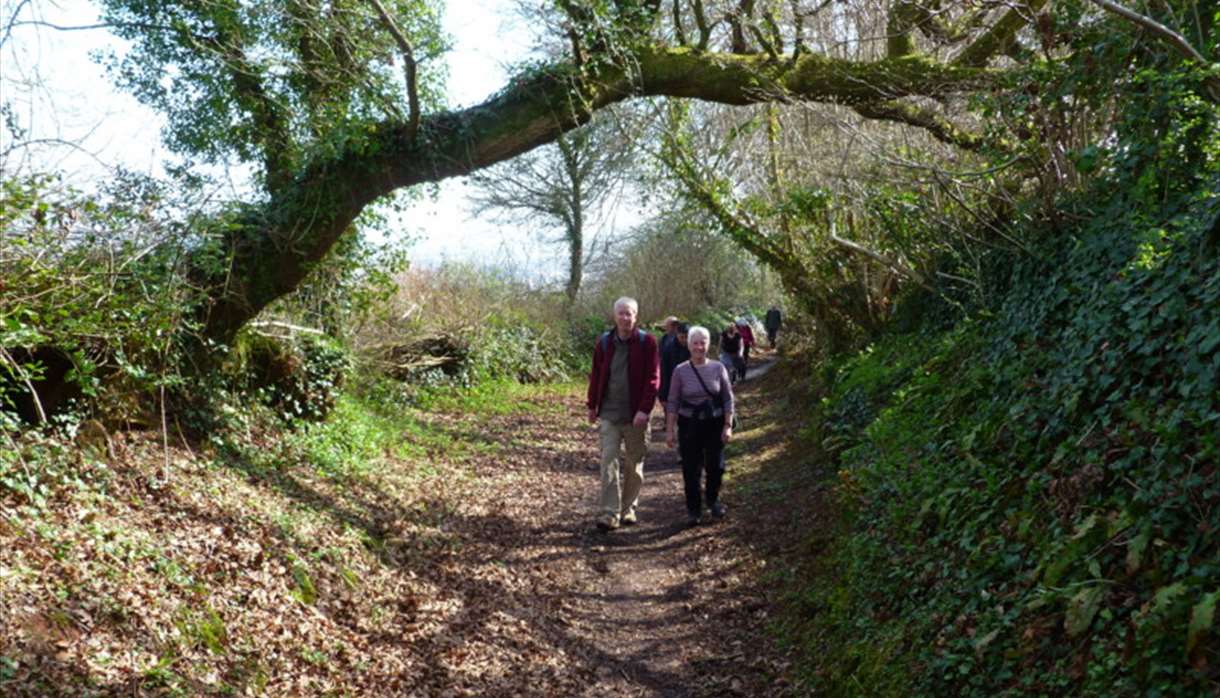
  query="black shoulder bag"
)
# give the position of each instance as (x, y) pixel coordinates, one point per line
(713, 399)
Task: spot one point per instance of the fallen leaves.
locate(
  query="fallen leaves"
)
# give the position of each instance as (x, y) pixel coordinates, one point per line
(468, 572)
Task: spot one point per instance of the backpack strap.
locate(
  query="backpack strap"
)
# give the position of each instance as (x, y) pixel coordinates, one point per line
(605, 340)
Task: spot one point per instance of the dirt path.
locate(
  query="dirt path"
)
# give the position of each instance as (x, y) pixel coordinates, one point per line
(469, 566)
(655, 609)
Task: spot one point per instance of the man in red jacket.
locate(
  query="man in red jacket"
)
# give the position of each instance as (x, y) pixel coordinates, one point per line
(622, 390)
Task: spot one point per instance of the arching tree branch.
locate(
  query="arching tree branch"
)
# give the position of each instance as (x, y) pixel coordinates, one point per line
(280, 241)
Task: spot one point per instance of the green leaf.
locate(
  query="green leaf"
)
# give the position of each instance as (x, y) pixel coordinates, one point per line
(1210, 342)
(305, 591)
(1165, 596)
(1081, 609)
(1085, 527)
(1135, 549)
(1201, 618)
(980, 645)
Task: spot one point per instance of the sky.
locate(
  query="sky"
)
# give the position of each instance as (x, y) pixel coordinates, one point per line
(80, 105)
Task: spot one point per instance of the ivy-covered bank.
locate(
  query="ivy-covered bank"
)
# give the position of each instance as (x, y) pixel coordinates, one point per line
(1030, 500)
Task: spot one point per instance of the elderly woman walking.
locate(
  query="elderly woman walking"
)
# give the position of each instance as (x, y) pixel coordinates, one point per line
(700, 406)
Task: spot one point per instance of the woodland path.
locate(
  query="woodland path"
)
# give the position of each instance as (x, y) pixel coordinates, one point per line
(471, 568)
(654, 609)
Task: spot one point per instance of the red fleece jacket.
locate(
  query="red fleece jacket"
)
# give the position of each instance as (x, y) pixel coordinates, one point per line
(643, 372)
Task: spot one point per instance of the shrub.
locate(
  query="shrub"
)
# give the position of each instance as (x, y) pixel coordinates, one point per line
(102, 301)
(298, 375)
(460, 325)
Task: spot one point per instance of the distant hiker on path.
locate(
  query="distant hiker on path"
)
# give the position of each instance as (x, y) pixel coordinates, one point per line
(731, 348)
(701, 406)
(747, 341)
(622, 391)
(772, 323)
(671, 355)
(671, 332)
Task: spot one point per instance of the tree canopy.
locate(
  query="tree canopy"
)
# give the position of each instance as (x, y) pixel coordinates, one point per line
(338, 103)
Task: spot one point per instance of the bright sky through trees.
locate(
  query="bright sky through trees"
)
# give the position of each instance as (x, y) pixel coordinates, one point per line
(74, 102)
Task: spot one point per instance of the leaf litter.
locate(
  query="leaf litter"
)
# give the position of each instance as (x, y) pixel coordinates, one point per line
(471, 575)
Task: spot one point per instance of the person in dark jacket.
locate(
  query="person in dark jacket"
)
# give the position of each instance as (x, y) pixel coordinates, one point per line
(622, 392)
(772, 323)
(747, 343)
(732, 347)
(672, 354)
(701, 407)
(671, 333)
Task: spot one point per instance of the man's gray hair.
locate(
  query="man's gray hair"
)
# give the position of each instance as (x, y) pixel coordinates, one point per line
(625, 300)
(696, 332)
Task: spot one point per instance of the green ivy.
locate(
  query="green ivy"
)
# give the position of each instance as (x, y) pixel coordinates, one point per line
(1031, 496)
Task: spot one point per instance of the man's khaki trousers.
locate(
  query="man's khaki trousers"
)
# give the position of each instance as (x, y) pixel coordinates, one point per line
(623, 445)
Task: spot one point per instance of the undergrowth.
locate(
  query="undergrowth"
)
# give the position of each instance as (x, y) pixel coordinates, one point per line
(1030, 499)
(258, 560)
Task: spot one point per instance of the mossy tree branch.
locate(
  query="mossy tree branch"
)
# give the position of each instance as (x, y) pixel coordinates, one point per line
(999, 35)
(277, 243)
(938, 126)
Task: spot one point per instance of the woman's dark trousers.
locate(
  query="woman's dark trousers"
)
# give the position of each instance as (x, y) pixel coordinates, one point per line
(701, 450)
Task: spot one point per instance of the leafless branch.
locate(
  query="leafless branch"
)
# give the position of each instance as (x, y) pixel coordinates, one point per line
(409, 67)
(25, 144)
(21, 373)
(705, 30)
(8, 29)
(1174, 38)
(679, 31)
(884, 260)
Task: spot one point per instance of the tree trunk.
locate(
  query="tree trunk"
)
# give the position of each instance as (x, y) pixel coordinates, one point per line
(576, 264)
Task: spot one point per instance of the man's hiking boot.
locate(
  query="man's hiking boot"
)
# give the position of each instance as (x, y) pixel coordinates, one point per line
(694, 519)
(607, 524)
(719, 510)
(628, 519)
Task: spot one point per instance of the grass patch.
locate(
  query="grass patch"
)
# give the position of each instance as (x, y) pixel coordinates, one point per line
(498, 397)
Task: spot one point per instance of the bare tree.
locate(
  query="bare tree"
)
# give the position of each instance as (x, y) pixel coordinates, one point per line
(562, 187)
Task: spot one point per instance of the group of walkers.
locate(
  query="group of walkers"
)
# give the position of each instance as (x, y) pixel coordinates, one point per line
(631, 372)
